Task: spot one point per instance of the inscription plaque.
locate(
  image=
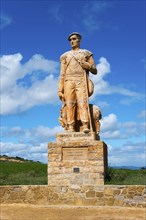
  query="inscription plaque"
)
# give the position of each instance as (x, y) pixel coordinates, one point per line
(75, 153)
(75, 136)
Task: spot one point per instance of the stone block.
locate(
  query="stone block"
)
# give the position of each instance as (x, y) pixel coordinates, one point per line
(77, 159)
(90, 194)
(124, 191)
(79, 202)
(118, 202)
(129, 196)
(100, 201)
(89, 202)
(99, 194)
(89, 182)
(139, 199)
(116, 191)
(140, 189)
(108, 192)
(75, 136)
(99, 182)
(109, 201)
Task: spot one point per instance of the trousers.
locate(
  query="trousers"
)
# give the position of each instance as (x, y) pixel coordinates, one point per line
(76, 97)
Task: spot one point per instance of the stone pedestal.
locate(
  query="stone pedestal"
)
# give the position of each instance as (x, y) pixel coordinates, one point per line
(77, 159)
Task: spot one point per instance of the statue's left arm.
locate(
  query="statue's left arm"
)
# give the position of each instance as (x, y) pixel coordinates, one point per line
(88, 63)
(92, 66)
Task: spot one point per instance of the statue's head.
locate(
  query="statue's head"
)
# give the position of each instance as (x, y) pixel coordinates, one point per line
(75, 33)
(75, 39)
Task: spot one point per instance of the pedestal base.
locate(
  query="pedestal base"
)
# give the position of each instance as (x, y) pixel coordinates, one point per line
(78, 161)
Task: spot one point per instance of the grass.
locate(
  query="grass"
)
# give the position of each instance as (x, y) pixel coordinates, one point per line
(28, 173)
(126, 177)
(35, 173)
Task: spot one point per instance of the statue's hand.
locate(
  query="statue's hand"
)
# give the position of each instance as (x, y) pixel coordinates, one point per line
(85, 65)
(61, 96)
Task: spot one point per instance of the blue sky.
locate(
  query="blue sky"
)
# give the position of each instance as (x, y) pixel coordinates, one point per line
(34, 35)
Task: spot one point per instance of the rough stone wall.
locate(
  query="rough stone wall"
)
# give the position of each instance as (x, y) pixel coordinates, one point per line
(79, 163)
(108, 195)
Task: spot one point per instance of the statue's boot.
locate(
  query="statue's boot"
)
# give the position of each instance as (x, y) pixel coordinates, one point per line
(85, 128)
(71, 128)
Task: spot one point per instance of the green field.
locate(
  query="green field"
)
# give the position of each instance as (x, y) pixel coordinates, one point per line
(35, 173)
(27, 173)
(126, 177)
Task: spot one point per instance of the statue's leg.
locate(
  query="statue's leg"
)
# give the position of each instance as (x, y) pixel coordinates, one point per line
(70, 99)
(82, 102)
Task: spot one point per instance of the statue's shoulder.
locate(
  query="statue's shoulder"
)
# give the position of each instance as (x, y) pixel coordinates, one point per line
(86, 52)
(64, 56)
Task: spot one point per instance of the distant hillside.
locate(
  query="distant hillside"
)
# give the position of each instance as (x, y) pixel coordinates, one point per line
(18, 171)
(128, 167)
(5, 158)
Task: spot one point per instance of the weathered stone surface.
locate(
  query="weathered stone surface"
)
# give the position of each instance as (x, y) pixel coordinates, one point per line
(75, 154)
(78, 202)
(90, 194)
(99, 194)
(75, 136)
(90, 202)
(116, 191)
(108, 192)
(118, 202)
(139, 199)
(77, 162)
(99, 182)
(73, 194)
(100, 201)
(109, 201)
(124, 191)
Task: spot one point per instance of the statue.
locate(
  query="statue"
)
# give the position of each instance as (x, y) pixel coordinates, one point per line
(75, 87)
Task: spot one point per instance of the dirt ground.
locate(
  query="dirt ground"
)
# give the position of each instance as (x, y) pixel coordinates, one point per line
(37, 212)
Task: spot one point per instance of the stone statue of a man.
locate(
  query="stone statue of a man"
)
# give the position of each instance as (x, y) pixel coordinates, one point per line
(73, 89)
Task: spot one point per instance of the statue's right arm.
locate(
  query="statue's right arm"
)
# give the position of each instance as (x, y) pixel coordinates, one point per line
(61, 80)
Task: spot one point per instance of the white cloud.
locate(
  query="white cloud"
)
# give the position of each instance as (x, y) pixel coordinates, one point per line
(111, 134)
(38, 62)
(25, 150)
(5, 20)
(55, 12)
(16, 97)
(45, 133)
(103, 68)
(32, 143)
(131, 154)
(109, 122)
(10, 147)
(102, 87)
(111, 128)
(29, 143)
(39, 134)
(35, 83)
(142, 114)
(10, 70)
(91, 13)
(102, 104)
(134, 128)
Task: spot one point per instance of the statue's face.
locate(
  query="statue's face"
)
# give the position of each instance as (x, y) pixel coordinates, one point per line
(74, 41)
